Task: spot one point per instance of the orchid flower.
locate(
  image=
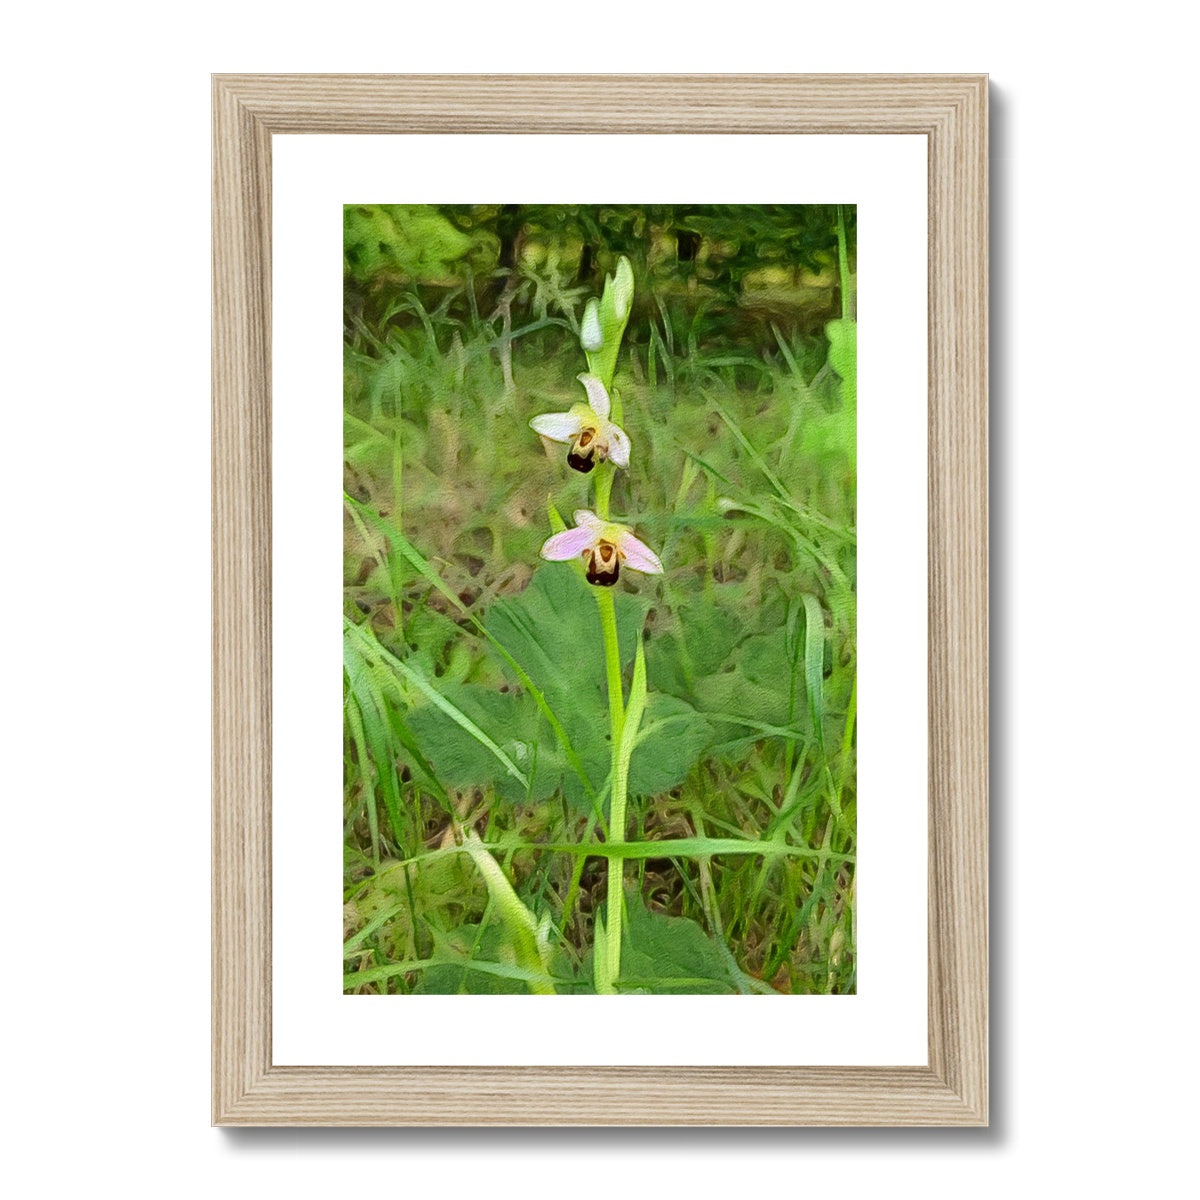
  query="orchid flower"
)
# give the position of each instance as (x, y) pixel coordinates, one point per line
(587, 429)
(604, 545)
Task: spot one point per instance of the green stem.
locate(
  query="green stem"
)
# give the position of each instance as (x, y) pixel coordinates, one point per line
(605, 474)
(608, 956)
(612, 664)
(616, 898)
(607, 950)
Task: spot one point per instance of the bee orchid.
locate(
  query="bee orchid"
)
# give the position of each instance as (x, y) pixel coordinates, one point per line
(592, 437)
(604, 546)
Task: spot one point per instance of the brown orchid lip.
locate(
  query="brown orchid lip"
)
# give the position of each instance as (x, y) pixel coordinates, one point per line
(586, 451)
(581, 462)
(602, 564)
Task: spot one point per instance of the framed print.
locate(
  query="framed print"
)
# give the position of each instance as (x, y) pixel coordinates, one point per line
(651, 566)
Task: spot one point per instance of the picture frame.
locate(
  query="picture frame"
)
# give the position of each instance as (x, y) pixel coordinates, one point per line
(248, 1088)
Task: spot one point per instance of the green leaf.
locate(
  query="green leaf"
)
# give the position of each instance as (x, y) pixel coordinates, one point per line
(756, 681)
(461, 758)
(814, 664)
(553, 629)
(670, 955)
(672, 739)
(445, 705)
(843, 357)
(697, 641)
(633, 717)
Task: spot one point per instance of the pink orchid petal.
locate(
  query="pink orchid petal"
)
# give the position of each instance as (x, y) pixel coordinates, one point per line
(597, 396)
(568, 544)
(638, 556)
(558, 427)
(618, 445)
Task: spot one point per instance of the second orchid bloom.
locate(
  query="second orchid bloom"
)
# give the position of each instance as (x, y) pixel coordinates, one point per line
(592, 437)
(604, 545)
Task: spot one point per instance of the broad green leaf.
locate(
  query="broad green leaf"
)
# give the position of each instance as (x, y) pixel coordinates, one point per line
(670, 954)
(435, 697)
(696, 640)
(672, 738)
(512, 730)
(756, 682)
(553, 629)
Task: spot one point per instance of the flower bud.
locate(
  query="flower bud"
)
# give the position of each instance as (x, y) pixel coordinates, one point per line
(623, 288)
(591, 336)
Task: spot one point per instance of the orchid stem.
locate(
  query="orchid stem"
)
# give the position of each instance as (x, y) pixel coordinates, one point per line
(604, 483)
(614, 910)
(607, 950)
(608, 957)
(612, 663)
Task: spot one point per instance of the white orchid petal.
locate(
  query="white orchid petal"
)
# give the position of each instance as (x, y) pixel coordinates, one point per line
(586, 518)
(558, 427)
(597, 396)
(638, 556)
(568, 544)
(618, 444)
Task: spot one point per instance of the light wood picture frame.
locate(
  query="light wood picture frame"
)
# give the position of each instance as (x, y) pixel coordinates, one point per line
(951, 1089)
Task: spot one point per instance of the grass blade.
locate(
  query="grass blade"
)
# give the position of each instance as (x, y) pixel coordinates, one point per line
(528, 939)
(814, 665)
(353, 979)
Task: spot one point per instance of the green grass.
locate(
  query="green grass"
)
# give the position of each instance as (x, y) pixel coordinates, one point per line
(474, 687)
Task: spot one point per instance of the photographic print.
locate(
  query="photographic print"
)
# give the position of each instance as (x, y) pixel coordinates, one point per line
(599, 619)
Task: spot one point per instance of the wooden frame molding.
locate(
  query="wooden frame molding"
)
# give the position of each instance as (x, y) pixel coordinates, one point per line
(248, 111)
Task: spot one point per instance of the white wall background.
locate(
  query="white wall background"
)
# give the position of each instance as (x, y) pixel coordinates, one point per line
(105, 477)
